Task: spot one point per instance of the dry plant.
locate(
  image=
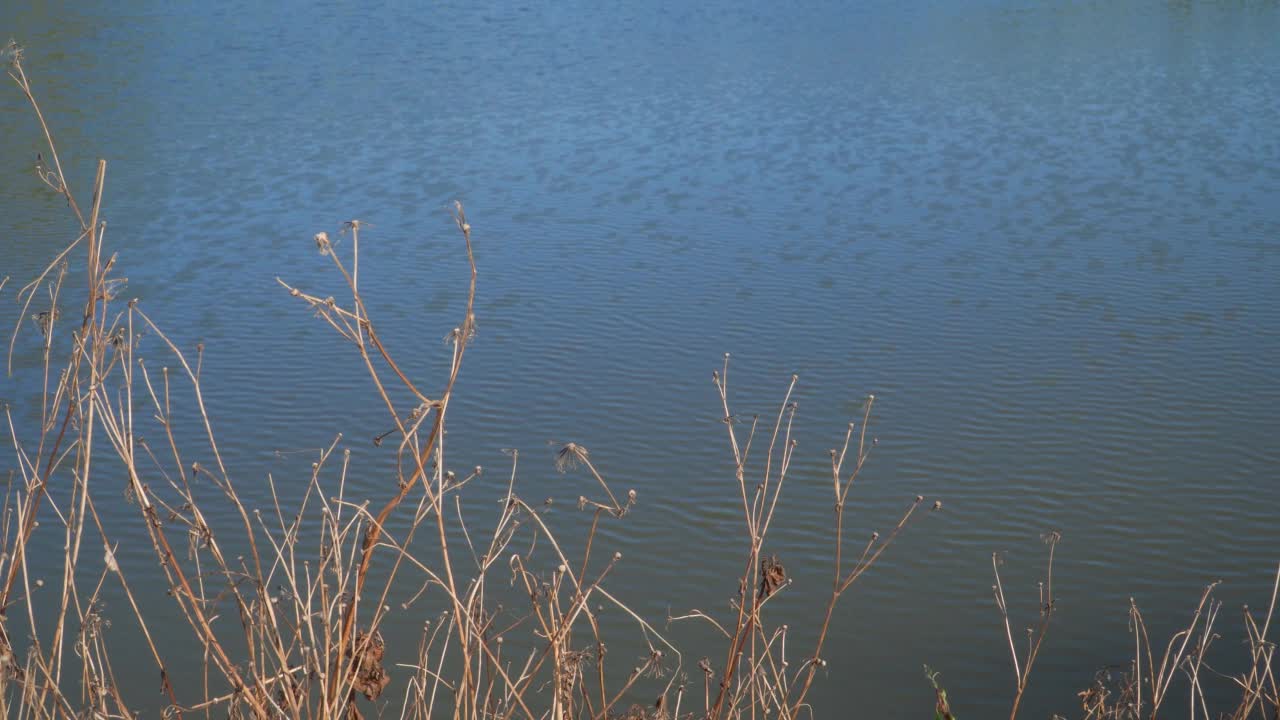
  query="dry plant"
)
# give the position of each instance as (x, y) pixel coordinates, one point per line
(1142, 690)
(287, 604)
(756, 676)
(1036, 635)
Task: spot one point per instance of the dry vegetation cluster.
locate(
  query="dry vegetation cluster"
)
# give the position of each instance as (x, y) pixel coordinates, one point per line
(286, 605)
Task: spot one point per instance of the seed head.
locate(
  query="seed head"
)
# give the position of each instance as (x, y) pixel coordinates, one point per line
(570, 456)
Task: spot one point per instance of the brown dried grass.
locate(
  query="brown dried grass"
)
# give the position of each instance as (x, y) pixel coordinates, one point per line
(308, 608)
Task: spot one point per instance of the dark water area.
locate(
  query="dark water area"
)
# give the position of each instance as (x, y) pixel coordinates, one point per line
(1046, 235)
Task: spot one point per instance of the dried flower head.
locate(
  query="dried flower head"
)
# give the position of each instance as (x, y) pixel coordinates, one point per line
(12, 53)
(773, 575)
(370, 676)
(46, 318)
(570, 456)
(112, 288)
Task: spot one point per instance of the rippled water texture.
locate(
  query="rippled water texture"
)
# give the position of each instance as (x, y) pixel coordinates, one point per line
(1045, 235)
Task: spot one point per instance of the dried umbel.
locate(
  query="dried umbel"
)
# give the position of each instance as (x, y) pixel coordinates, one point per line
(772, 576)
(12, 54)
(45, 319)
(570, 456)
(370, 677)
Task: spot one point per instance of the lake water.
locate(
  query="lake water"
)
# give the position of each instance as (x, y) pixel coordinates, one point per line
(1046, 235)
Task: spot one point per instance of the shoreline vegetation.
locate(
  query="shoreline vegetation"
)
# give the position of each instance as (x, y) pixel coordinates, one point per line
(286, 604)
